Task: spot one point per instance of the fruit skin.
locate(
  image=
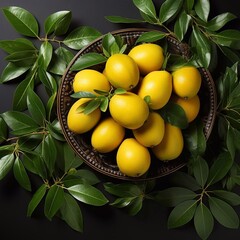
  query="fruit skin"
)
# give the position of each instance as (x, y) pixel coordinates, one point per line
(152, 131)
(148, 56)
(88, 79)
(186, 81)
(129, 110)
(133, 159)
(107, 135)
(158, 85)
(171, 145)
(122, 71)
(80, 122)
(190, 106)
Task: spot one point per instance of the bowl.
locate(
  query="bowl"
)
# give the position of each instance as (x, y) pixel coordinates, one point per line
(106, 163)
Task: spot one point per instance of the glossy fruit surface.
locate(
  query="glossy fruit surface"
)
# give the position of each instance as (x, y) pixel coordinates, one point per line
(186, 81)
(80, 122)
(157, 85)
(107, 135)
(122, 71)
(133, 159)
(129, 110)
(190, 106)
(171, 145)
(152, 131)
(89, 79)
(148, 56)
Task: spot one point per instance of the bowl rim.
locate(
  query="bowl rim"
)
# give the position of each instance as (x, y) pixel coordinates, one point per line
(208, 123)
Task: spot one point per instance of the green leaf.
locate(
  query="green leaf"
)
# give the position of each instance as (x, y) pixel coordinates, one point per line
(232, 55)
(195, 140)
(50, 106)
(226, 85)
(36, 107)
(17, 45)
(55, 132)
(54, 200)
(64, 54)
(21, 175)
(200, 170)
(45, 53)
(233, 118)
(119, 19)
(20, 94)
(23, 58)
(202, 9)
(231, 141)
(135, 206)
(148, 19)
(60, 60)
(109, 44)
(48, 80)
(40, 166)
(104, 104)
(172, 196)
(49, 153)
(22, 20)
(88, 194)
(185, 180)
(6, 163)
(203, 221)
(182, 214)
(123, 189)
(88, 60)
(147, 7)
(72, 180)
(122, 202)
(151, 36)
(87, 176)
(174, 114)
(181, 25)
(188, 5)
(6, 150)
(230, 197)
(168, 9)
(83, 94)
(71, 213)
(224, 213)
(3, 130)
(12, 71)
(58, 23)
(175, 61)
(220, 168)
(119, 91)
(220, 21)
(91, 106)
(36, 199)
(80, 37)
(29, 143)
(19, 122)
(28, 162)
(202, 47)
(228, 38)
(70, 158)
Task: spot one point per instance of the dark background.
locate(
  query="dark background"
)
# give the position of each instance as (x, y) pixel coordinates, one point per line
(99, 222)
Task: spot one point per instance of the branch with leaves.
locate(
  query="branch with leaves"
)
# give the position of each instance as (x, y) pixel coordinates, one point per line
(31, 139)
(30, 134)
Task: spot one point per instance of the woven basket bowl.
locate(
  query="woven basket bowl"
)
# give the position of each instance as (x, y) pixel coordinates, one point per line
(106, 163)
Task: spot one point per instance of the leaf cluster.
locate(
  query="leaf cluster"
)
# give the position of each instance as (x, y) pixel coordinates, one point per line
(188, 21)
(32, 143)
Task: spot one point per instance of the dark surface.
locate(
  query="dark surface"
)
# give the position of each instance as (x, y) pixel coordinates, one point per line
(104, 222)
